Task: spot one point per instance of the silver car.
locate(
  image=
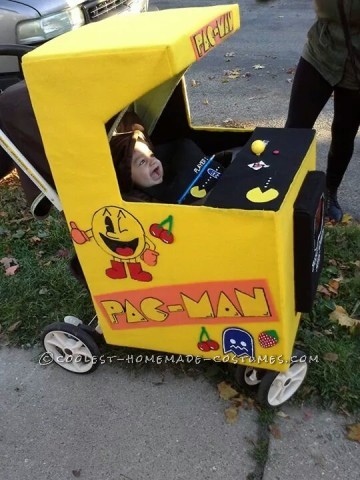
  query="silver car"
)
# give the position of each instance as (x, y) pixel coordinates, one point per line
(33, 22)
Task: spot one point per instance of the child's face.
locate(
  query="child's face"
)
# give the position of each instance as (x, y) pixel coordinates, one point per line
(146, 169)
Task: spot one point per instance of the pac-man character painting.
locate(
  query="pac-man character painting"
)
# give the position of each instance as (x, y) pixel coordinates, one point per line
(119, 234)
(239, 342)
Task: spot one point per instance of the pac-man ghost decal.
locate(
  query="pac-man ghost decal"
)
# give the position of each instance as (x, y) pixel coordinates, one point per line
(238, 342)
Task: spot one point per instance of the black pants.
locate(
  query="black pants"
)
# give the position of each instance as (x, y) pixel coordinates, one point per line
(309, 94)
(18, 122)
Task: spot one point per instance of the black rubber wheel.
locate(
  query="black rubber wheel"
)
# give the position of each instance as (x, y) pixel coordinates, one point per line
(248, 377)
(70, 347)
(277, 387)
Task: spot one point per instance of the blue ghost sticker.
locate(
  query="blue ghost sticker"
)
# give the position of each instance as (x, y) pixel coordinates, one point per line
(214, 173)
(239, 342)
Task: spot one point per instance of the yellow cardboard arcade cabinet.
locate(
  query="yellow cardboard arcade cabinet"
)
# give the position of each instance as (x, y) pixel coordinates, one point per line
(224, 280)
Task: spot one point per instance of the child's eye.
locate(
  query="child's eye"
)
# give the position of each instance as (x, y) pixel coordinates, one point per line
(142, 162)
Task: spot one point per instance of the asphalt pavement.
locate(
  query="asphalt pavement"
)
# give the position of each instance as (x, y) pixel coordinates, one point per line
(120, 423)
(123, 424)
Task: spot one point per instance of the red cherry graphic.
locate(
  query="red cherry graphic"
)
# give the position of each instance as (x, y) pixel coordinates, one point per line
(213, 345)
(156, 230)
(203, 346)
(166, 236)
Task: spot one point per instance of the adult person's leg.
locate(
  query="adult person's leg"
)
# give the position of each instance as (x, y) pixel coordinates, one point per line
(309, 94)
(344, 128)
(18, 121)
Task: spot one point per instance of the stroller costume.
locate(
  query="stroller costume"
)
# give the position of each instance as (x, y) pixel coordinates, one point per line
(226, 280)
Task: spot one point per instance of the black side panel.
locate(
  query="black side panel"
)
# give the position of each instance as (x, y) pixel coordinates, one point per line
(308, 239)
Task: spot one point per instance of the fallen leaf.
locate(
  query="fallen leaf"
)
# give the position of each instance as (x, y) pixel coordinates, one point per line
(205, 101)
(334, 283)
(332, 262)
(229, 54)
(291, 70)
(43, 291)
(258, 66)
(353, 432)
(323, 290)
(35, 240)
(282, 414)
(238, 400)
(275, 430)
(231, 415)
(330, 357)
(250, 402)
(235, 73)
(14, 326)
(195, 83)
(338, 312)
(76, 473)
(332, 291)
(341, 316)
(226, 391)
(346, 219)
(8, 261)
(11, 270)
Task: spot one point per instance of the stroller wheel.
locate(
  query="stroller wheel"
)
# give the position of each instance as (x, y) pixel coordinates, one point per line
(71, 348)
(248, 377)
(277, 387)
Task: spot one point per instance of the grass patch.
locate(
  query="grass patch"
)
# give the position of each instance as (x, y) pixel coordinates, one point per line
(334, 380)
(266, 416)
(42, 291)
(260, 452)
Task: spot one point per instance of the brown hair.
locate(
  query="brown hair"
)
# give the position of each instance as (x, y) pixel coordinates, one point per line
(122, 145)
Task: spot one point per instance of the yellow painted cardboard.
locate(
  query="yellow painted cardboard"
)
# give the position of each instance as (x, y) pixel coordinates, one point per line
(214, 276)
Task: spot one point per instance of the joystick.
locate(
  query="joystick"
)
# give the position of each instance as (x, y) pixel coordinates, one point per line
(258, 146)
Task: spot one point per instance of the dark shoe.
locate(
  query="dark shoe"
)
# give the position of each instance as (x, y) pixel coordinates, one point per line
(333, 210)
